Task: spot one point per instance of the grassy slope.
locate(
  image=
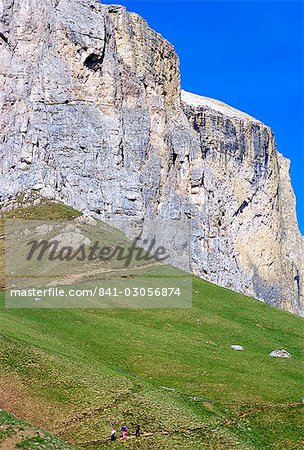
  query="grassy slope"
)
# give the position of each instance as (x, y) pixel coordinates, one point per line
(74, 368)
(15, 433)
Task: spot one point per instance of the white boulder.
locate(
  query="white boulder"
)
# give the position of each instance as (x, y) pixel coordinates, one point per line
(280, 354)
(237, 347)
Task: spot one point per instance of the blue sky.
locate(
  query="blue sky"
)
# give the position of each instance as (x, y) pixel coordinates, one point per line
(248, 54)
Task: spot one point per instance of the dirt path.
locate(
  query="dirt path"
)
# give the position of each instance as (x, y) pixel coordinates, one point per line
(209, 427)
(79, 419)
(262, 408)
(149, 434)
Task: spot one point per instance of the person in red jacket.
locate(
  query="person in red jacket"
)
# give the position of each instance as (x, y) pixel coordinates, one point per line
(124, 431)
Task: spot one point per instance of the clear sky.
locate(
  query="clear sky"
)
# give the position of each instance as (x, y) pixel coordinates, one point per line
(248, 54)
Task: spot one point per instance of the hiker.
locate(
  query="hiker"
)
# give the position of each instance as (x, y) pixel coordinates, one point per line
(137, 430)
(113, 434)
(124, 431)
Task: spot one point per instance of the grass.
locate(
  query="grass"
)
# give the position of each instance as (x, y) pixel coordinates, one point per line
(15, 433)
(46, 210)
(84, 371)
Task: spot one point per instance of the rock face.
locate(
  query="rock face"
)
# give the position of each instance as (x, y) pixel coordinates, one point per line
(92, 115)
(242, 194)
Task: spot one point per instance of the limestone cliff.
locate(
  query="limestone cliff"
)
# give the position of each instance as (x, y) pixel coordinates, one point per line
(92, 114)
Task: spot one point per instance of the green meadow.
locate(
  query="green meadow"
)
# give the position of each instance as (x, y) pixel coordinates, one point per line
(78, 372)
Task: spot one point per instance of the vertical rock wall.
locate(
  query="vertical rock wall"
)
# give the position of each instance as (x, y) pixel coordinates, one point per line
(92, 115)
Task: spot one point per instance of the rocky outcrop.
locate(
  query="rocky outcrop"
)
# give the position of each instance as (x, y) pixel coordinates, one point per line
(92, 114)
(244, 217)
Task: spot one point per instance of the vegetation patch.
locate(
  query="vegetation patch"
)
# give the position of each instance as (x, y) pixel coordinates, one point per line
(15, 433)
(84, 371)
